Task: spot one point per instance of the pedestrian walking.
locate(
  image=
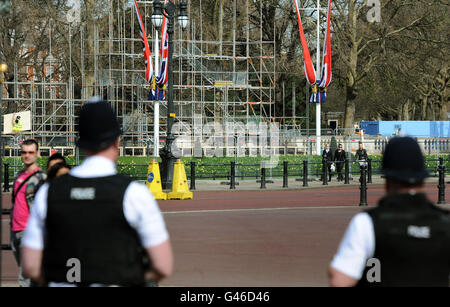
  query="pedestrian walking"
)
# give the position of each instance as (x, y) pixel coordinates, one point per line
(405, 240)
(361, 155)
(361, 158)
(93, 226)
(58, 169)
(54, 159)
(339, 159)
(327, 157)
(25, 186)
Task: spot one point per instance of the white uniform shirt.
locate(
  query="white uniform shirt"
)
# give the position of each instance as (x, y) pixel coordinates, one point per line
(140, 208)
(357, 246)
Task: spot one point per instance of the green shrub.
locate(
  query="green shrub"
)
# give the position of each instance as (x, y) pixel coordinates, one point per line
(246, 167)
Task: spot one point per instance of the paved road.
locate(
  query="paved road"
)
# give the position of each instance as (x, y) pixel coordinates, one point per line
(250, 237)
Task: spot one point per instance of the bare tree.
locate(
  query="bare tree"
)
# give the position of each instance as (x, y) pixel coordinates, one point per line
(24, 39)
(363, 45)
(419, 57)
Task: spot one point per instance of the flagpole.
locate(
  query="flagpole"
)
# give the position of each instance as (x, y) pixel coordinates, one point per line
(318, 106)
(156, 102)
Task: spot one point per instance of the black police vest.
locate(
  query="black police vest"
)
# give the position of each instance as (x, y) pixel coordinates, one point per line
(85, 221)
(412, 242)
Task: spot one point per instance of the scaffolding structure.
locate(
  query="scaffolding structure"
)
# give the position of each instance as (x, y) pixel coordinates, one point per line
(230, 79)
(52, 110)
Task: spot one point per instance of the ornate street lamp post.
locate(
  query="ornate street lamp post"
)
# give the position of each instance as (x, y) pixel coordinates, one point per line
(169, 10)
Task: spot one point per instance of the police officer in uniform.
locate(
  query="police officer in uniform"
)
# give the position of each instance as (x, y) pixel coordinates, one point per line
(405, 240)
(103, 222)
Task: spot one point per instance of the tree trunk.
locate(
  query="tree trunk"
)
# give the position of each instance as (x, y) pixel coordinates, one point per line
(429, 111)
(405, 110)
(443, 111)
(350, 96)
(352, 70)
(349, 116)
(443, 102)
(443, 85)
(423, 115)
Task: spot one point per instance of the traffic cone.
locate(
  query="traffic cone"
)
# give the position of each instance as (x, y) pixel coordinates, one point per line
(180, 188)
(153, 181)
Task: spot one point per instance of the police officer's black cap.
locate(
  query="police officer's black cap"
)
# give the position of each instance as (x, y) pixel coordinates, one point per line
(403, 161)
(98, 125)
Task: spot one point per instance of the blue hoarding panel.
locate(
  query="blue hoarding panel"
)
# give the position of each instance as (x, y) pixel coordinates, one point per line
(370, 127)
(412, 128)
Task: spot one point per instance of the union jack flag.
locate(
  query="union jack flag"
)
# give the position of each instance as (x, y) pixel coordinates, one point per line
(145, 47)
(326, 65)
(319, 85)
(158, 84)
(164, 72)
(310, 72)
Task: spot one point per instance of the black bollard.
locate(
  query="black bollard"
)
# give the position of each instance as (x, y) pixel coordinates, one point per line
(233, 175)
(441, 186)
(324, 172)
(363, 187)
(192, 187)
(285, 174)
(347, 172)
(263, 177)
(6, 247)
(369, 170)
(305, 173)
(6, 178)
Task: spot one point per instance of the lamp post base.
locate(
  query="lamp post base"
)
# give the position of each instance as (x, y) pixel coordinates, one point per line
(167, 167)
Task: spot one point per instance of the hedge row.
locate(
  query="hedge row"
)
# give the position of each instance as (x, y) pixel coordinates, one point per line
(247, 167)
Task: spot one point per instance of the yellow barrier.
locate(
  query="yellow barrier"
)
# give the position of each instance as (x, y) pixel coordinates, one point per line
(153, 181)
(180, 188)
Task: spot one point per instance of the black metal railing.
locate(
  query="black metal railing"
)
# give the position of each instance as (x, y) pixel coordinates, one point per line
(233, 171)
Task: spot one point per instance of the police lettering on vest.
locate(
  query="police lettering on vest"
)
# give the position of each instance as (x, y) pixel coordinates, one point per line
(85, 221)
(82, 193)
